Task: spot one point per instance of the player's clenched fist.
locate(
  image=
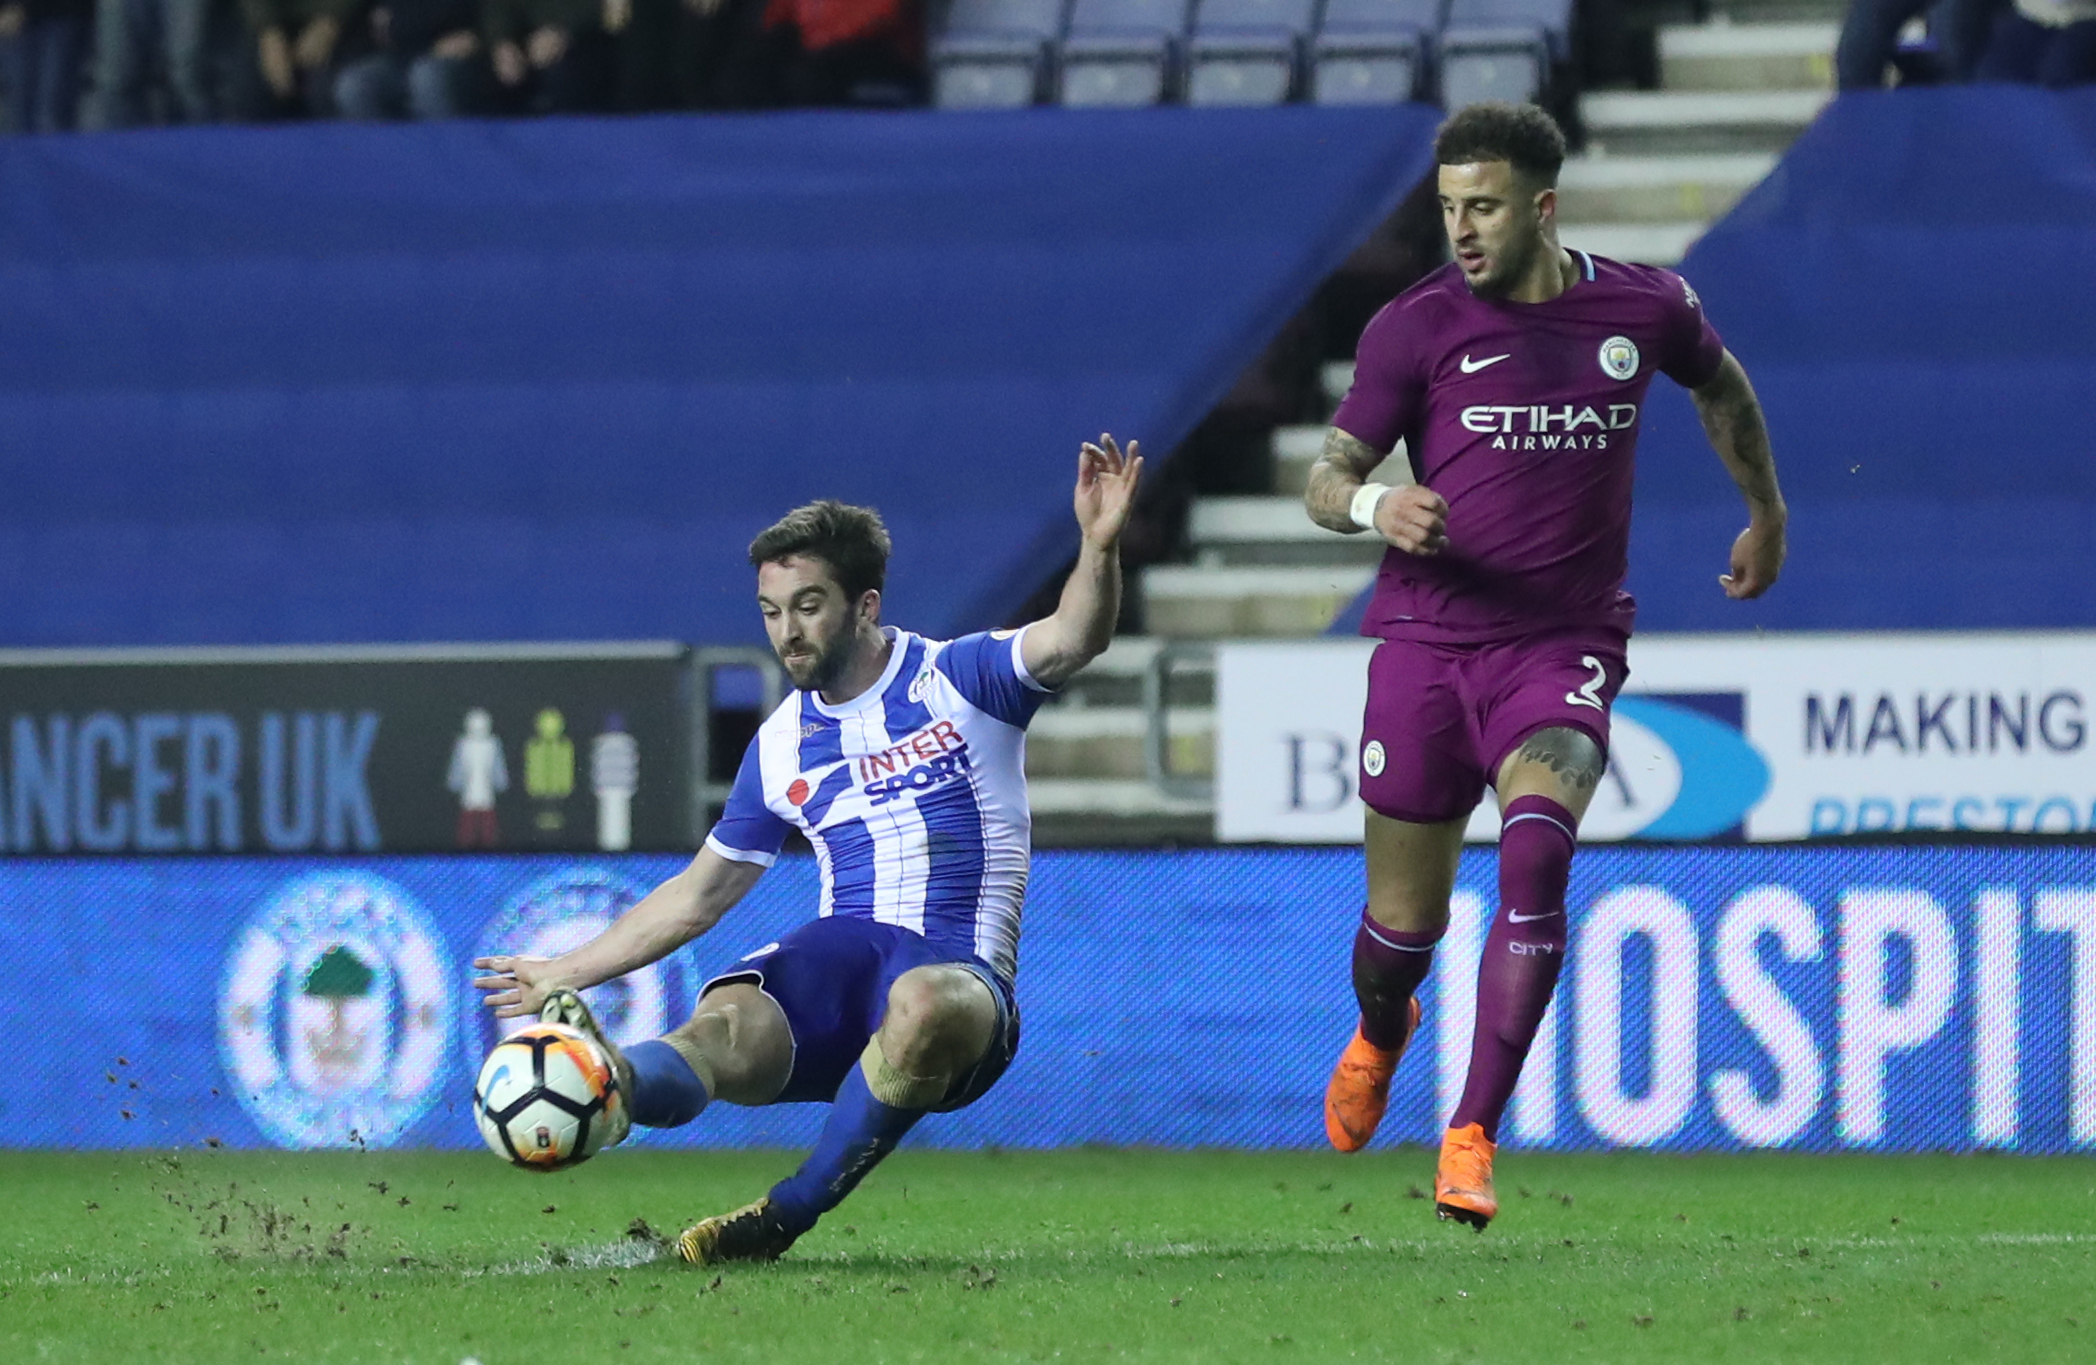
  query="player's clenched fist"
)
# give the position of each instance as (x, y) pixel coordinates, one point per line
(1414, 518)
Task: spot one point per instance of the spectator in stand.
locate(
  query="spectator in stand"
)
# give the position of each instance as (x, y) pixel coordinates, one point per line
(137, 39)
(427, 62)
(1870, 35)
(554, 56)
(297, 46)
(826, 52)
(2043, 42)
(41, 42)
(668, 54)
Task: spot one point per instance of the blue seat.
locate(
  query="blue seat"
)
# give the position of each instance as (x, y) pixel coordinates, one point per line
(1247, 51)
(995, 54)
(1372, 51)
(1121, 53)
(1502, 49)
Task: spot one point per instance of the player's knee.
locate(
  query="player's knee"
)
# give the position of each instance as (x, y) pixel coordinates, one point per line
(738, 1042)
(938, 1019)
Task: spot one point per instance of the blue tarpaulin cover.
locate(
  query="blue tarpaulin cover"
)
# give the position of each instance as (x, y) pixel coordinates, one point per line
(546, 379)
(1914, 293)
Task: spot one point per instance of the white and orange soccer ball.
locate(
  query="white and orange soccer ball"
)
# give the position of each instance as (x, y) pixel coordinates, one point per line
(546, 1098)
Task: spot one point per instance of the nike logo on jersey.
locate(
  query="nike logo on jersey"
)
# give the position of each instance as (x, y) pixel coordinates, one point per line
(1469, 366)
(1516, 917)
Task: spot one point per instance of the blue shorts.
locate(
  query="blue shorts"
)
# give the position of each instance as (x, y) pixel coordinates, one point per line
(831, 977)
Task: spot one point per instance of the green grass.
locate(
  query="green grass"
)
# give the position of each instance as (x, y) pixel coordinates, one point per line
(1080, 1255)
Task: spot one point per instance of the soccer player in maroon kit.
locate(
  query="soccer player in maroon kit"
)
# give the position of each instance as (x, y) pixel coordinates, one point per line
(1516, 377)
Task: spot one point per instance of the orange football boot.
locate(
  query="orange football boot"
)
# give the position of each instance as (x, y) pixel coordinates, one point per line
(1359, 1090)
(1463, 1181)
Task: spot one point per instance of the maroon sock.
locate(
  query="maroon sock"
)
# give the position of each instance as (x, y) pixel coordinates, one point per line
(1389, 964)
(1526, 946)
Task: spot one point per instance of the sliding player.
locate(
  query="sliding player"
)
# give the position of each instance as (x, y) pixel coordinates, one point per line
(902, 760)
(1516, 376)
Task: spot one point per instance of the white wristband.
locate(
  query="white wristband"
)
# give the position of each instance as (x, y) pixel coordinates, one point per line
(1363, 509)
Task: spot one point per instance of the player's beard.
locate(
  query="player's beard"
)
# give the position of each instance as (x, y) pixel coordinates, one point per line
(1510, 265)
(824, 665)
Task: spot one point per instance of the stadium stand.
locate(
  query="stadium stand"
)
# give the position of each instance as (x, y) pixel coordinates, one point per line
(1373, 51)
(1247, 51)
(996, 54)
(1121, 53)
(1502, 49)
(544, 380)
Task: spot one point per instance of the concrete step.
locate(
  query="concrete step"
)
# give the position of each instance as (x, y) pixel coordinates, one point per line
(1657, 189)
(1186, 601)
(1275, 530)
(1643, 243)
(1115, 796)
(1723, 55)
(1117, 678)
(1334, 378)
(1107, 741)
(1684, 122)
(1296, 448)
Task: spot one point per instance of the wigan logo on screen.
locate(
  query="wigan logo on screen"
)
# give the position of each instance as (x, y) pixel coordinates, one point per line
(563, 911)
(335, 1012)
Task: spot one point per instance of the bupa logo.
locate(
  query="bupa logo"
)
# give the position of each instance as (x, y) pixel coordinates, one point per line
(1680, 767)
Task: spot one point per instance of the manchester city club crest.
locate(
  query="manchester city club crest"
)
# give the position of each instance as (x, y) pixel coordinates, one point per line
(1619, 358)
(336, 1012)
(565, 911)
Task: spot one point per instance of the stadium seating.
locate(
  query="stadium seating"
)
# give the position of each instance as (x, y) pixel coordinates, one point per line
(1247, 51)
(1502, 49)
(1121, 53)
(996, 54)
(1372, 51)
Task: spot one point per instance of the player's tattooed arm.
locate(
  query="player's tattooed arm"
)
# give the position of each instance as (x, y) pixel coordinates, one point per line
(1733, 421)
(1411, 517)
(1338, 474)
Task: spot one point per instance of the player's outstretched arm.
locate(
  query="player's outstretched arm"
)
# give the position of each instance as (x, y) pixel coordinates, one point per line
(658, 924)
(1732, 420)
(1057, 646)
(1412, 517)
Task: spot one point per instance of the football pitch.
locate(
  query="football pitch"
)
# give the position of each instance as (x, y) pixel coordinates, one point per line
(1073, 1255)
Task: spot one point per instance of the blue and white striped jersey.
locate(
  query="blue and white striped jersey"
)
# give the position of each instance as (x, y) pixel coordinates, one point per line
(913, 793)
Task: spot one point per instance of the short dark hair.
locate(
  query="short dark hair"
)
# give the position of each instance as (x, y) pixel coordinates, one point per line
(851, 540)
(1522, 135)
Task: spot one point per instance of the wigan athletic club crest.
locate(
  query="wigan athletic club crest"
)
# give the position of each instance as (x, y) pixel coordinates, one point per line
(336, 1012)
(567, 910)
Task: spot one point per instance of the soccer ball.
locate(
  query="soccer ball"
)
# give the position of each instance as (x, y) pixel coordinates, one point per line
(545, 1097)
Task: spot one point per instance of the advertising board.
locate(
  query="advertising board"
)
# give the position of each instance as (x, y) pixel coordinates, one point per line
(1714, 998)
(1757, 737)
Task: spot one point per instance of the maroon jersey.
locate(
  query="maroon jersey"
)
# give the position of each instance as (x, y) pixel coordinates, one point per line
(1524, 416)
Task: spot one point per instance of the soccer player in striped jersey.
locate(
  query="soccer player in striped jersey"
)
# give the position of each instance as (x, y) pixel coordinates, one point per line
(902, 760)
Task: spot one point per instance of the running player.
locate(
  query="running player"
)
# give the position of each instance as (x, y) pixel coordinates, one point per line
(902, 760)
(1516, 377)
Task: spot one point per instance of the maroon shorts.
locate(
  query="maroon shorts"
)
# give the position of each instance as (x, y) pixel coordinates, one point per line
(1442, 718)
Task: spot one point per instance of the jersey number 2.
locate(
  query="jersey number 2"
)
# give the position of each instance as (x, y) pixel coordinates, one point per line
(1583, 695)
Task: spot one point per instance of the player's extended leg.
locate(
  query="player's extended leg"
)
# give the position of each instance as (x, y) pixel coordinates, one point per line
(1544, 788)
(736, 1046)
(940, 1022)
(1411, 870)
